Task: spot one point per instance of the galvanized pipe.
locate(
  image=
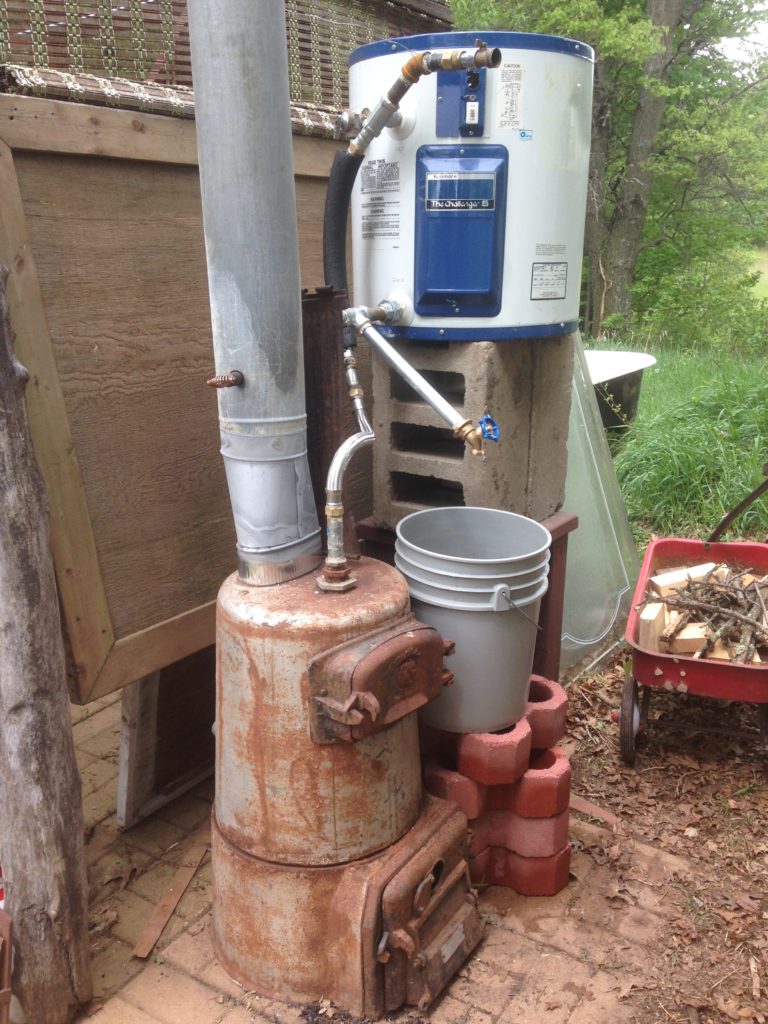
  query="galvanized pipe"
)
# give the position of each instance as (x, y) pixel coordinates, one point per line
(242, 109)
(336, 574)
(359, 317)
(355, 390)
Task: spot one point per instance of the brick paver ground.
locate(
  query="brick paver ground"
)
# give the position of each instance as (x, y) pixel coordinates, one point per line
(560, 960)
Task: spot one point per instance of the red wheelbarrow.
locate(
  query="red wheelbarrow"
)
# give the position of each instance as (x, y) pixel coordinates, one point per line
(675, 673)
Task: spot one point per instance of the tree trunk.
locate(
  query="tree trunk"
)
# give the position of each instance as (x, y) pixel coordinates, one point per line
(41, 821)
(617, 243)
(596, 226)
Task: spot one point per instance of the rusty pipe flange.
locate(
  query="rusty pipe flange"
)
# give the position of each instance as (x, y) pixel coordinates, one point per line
(336, 577)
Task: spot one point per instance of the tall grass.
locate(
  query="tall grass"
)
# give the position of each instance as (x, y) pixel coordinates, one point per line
(698, 445)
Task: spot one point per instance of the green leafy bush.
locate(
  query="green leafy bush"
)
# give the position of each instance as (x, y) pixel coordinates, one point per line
(709, 304)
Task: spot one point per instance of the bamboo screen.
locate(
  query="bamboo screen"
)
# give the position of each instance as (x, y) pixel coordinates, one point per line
(109, 46)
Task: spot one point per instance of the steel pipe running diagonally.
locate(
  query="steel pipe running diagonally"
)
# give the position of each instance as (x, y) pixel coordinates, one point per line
(242, 109)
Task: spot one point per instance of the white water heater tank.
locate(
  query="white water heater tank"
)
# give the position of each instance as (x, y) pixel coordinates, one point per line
(471, 210)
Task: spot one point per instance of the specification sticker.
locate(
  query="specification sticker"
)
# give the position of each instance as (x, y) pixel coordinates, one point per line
(511, 95)
(380, 189)
(548, 281)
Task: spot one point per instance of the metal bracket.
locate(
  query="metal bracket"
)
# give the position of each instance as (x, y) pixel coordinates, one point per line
(351, 711)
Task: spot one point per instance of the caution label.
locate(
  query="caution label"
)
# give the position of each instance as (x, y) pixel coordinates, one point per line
(511, 95)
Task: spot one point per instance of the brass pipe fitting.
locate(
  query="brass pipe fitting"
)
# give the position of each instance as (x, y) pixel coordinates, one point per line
(415, 67)
(471, 435)
(418, 65)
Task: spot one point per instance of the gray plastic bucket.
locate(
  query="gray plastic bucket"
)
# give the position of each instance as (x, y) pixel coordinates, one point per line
(477, 575)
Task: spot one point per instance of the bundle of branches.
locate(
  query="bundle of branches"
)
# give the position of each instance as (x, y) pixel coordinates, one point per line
(722, 614)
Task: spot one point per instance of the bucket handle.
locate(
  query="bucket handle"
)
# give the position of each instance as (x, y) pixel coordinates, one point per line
(501, 601)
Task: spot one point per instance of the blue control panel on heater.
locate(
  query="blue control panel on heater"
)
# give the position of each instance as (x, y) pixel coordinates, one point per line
(461, 199)
(460, 107)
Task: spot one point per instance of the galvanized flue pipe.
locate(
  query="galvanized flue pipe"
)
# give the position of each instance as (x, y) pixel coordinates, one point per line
(242, 109)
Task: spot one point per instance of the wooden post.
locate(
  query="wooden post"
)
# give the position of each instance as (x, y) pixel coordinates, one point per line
(41, 820)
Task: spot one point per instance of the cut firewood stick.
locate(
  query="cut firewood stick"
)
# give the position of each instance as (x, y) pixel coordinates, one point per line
(193, 855)
(676, 626)
(690, 639)
(759, 593)
(729, 613)
(720, 652)
(666, 583)
(651, 625)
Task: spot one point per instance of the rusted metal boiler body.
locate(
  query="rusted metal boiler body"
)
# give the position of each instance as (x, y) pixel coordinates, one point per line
(280, 795)
(332, 875)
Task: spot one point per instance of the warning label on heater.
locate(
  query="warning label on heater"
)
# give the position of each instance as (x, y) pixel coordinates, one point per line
(548, 281)
(511, 96)
(550, 249)
(380, 206)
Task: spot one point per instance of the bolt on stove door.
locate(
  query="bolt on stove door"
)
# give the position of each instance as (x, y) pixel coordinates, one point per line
(430, 919)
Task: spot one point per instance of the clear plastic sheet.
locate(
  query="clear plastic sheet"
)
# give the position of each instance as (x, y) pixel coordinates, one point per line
(602, 561)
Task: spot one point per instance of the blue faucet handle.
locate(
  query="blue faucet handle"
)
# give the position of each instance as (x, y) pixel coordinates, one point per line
(489, 428)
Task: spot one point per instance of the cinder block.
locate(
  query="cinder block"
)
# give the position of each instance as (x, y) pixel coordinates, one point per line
(544, 789)
(495, 758)
(539, 876)
(418, 463)
(451, 785)
(533, 837)
(528, 837)
(530, 876)
(546, 712)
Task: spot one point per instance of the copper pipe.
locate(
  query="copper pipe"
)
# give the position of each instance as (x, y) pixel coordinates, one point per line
(418, 65)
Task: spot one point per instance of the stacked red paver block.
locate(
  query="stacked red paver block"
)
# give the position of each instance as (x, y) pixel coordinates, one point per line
(514, 787)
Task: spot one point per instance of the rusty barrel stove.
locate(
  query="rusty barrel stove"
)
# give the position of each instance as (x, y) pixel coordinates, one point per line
(334, 875)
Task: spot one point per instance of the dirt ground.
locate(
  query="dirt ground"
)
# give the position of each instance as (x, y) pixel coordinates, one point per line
(699, 791)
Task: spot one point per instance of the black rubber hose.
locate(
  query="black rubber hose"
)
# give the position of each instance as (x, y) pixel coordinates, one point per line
(337, 197)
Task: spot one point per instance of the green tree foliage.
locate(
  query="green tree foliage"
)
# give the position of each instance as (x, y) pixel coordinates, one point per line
(678, 186)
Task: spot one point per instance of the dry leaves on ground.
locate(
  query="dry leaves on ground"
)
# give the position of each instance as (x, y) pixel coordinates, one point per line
(698, 790)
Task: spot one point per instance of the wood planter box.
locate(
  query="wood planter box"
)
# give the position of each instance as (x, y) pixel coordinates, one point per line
(101, 228)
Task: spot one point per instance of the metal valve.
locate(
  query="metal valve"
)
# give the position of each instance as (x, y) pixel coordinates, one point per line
(347, 124)
(489, 428)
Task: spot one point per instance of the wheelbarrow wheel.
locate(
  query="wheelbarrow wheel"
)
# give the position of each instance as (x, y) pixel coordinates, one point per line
(645, 705)
(629, 719)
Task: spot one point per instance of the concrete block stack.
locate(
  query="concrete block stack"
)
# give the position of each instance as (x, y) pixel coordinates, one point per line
(514, 787)
(418, 463)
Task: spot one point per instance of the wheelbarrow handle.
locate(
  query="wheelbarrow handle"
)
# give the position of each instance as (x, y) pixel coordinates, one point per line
(726, 521)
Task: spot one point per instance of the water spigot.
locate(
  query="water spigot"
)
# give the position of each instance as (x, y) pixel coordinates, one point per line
(471, 435)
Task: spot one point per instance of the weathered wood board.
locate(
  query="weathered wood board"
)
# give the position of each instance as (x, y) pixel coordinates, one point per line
(101, 227)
